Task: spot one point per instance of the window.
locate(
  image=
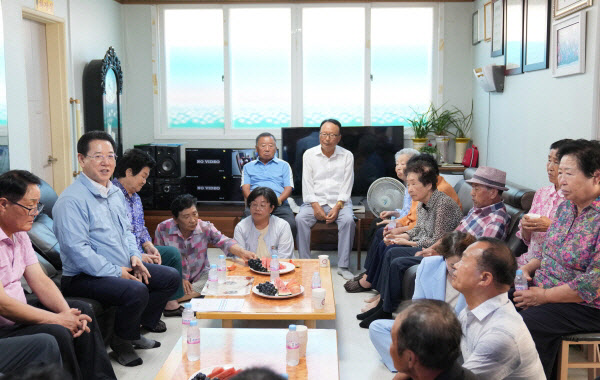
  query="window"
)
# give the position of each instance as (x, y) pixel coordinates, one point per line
(228, 71)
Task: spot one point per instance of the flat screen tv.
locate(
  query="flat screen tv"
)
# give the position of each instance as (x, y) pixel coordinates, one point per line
(373, 149)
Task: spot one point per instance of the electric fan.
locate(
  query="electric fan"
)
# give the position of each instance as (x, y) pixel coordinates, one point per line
(385, 194)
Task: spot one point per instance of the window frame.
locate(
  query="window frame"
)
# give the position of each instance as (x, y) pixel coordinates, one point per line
(163, 132)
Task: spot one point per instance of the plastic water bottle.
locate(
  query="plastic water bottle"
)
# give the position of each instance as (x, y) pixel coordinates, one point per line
(520, 281)
(186, 317)
(274, 267)
(292, 344)
(193, 342)
(392, 223)
(213, 280)
(316, 280)
(222, 269)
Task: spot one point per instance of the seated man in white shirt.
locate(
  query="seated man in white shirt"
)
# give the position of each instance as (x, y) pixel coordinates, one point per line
(327, 179)
(496, 343)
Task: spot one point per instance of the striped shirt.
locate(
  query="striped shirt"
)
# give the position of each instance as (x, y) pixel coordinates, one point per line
(489, 221)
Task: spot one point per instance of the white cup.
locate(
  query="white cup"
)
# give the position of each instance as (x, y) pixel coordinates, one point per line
(318, 298)
(323, 261)
(303, 337)
(533, 216)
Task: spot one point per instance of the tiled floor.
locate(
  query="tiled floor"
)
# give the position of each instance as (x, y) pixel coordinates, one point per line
(357, 357)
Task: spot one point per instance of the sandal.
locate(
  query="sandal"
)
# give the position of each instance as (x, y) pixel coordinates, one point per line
(174, 313)
(353, 286)
(159, 328)
(359, 276)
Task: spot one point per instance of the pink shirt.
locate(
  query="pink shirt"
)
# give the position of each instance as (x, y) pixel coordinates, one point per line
(15, 256)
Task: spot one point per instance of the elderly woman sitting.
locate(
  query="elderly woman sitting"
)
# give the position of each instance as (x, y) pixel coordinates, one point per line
(437, 215)
(565, 296)
(532, 228)
(262, 233)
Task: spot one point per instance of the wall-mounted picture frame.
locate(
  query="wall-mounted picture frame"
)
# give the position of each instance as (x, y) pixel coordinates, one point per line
(563, 8)
(497, 28)
(568, 45)
(475, 31)
(513, 37)
(536, 35)
(487, 21)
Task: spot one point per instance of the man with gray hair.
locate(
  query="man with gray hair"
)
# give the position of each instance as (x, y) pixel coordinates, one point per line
(497, 343)
(269, 171)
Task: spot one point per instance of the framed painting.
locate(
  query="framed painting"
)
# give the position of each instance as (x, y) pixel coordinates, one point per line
(497, 28)
(475, 31)
(513, 40)
(536, 35)
(487, 21)
(562, 8)
(568, 49)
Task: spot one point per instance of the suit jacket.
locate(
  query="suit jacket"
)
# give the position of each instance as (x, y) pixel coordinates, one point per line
(431, 282)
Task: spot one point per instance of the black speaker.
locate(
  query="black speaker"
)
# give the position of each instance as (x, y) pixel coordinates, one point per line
(165, 191)
(147, 194)
(168, 160)
(151, 150)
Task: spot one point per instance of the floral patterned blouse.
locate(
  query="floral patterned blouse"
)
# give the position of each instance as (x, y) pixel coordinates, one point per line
(571, 252)
(193, 250)
(545, 202)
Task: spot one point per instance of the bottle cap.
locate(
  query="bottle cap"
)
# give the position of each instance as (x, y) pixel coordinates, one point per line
(284, 376)
(187, 305)
(519, 272)
(213, 266)
(292, 327)
(193, 322)
(221, 256)
(273, 256)
(393, 218)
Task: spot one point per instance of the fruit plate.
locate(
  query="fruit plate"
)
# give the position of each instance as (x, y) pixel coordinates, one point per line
(255, 291)
(288, 268)
(208, 370)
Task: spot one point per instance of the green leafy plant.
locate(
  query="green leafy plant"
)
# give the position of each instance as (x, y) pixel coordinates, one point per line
(441, 120)
(420, 123)
(429, 149)
(462, 123)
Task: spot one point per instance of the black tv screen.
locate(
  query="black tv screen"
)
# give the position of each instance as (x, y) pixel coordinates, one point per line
(373, 149)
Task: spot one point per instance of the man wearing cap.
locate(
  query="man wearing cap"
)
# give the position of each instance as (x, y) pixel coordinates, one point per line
(487, 218)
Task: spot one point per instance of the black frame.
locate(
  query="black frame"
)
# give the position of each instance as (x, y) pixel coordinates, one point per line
(518, 20)
(498, 52)
(541, 65)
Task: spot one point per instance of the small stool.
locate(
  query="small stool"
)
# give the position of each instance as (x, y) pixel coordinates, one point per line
(591, 341)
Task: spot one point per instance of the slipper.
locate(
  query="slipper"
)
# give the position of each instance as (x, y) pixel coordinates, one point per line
(159, 328)
(355, 287)
(174, 313)
(359, 276)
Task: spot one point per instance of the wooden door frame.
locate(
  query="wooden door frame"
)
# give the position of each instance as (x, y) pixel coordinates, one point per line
(58, 94)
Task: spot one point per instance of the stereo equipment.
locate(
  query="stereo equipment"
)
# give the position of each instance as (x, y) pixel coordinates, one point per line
(151, 150)
(147, 194)
(165, 191)
(168, 160)
(206, 163)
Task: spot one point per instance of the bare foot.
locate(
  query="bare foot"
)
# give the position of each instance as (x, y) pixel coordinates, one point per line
(372, 304)
(172, 305)
(364, 283)
(372, 298)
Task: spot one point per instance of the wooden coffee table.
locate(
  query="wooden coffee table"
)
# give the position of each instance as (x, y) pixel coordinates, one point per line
(245, 348)
(296, 308)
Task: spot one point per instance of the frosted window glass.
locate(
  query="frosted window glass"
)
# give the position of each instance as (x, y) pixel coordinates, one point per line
(194, 68)
(261, 76)
(333, 65)
(401, 63)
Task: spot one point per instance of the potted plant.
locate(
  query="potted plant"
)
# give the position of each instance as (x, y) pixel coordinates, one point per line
(430, 149)
(421, 126)
(441, 121)
(462, 125)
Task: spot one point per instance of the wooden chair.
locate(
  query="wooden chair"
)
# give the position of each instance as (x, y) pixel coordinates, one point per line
(591, 341)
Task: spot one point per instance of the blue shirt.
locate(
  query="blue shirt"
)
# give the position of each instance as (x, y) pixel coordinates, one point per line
(93, 230)
(275, 174)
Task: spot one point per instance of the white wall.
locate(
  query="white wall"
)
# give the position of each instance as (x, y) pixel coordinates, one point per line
(534, 111)
(91, 26)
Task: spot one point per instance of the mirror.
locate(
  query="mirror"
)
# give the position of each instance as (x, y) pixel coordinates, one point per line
(4, 163)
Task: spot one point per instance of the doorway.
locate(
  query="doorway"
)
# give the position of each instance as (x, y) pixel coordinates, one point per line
(48, 99)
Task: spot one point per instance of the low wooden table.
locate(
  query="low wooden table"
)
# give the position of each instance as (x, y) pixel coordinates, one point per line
(296, 308)
(245, 348)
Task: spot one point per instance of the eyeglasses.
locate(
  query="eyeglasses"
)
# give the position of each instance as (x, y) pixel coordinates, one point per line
(101, 158)
(325, 135)
(257, 206)
(30, 210)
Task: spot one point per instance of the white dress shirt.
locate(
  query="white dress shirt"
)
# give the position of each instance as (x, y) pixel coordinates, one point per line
(496, 342)
(327, 180)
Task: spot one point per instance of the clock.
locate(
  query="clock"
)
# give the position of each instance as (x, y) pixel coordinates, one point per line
(102, 90)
